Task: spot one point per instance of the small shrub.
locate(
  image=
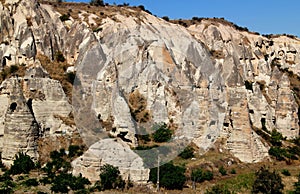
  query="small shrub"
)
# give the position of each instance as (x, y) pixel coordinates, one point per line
(74, 150)
(267, 182)
(286, 172)
(21, 164)
(41, 192)
(142, 7)
(31, 182)
(60, 184)
(276, 138)
(110, 177)
(277, 152)
(7, 186)
(59, 57)
(218, 189)
(162, 134)
(187, 153)
(13, 69)
(78, 183)
(199, 175)
(171, 176)
(297, 186)
(248, 85)
(97, 2)
(166, 18)
(233, 171)
(64, 17)
(223, 171)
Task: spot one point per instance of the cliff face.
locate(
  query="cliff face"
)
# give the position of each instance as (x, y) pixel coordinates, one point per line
(208, 81)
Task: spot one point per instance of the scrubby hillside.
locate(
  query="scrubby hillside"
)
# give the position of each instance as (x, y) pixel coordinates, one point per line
(132, 87)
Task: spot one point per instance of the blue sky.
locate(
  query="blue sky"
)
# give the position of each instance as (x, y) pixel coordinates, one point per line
(263, 16)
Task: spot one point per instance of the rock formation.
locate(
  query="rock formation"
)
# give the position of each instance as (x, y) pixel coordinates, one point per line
(207, 81)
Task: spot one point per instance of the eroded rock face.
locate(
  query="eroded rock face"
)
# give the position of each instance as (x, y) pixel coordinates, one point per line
(20, 129)
(131, 166)
(176, 78)
(259, 64)
(31, 107)
(207, 81)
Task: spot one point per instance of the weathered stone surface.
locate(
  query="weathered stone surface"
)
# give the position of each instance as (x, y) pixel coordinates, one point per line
(21, 130)
(269, 103)
(116, 153)
(192, 79)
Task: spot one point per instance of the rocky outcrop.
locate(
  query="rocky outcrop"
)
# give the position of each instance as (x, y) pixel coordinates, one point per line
(267, 102)
(131, 166)
(20, 129)
(207, 81)
(31, 108)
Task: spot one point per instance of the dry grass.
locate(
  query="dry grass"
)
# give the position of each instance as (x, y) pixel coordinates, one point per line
(137, 105)
(56, 71)
(10, 71)
(102, 12)
(49, 144)
(67, 120)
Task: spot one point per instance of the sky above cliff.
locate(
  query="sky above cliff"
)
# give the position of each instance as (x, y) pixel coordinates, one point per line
(263, 16)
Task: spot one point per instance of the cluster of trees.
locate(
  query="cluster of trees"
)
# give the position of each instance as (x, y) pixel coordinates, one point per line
(283, 153)
(171, 176)
(56, 174)
(97, 2)
(266, 181)
(161, 133)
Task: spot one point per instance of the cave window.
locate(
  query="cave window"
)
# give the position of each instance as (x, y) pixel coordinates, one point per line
(3, 62)
(226, 124)
(13, 106)
(251, 111)
(29, 104)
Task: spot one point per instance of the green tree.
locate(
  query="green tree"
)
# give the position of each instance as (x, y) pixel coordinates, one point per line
(297, 186)
(218, 189)
(267, 182)
(64, 181)
(277, 152)
(162, 134)
(60, 183)
(31, 182)
(6, 183)
(22, 164)
(276, 138)
(199, 175)
(286, 172)
(171, 176)
(97, 2)
(187, 153)
(110, 177)
(74, 150)
(222, 170)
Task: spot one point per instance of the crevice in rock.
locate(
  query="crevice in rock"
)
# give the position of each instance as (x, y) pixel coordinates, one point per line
(13, 106)
(122, 136)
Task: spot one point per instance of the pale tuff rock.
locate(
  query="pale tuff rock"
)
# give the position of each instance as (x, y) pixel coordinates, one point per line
(105, 152)
(154, 66)
(242, 141)
(286, 110)
(20, 127)
(190, 78)
(248, 57)
(31, 107)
